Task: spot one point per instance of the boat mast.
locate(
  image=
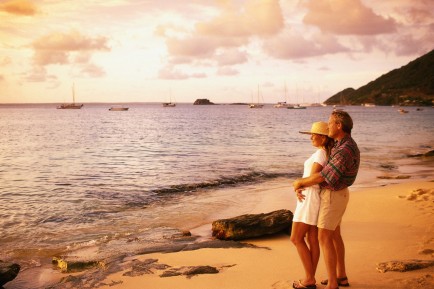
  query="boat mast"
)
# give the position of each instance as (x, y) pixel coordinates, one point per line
(73, 93)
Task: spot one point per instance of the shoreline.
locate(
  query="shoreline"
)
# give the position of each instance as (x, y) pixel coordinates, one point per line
(373, 233)
(274, 195)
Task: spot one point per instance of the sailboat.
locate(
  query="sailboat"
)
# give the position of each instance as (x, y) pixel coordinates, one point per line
(283, 104)
(296, 106)
(72, 105)
(170, 103)
(256, 105)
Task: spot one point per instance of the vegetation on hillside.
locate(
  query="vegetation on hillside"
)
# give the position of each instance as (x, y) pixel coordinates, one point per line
(412, 84)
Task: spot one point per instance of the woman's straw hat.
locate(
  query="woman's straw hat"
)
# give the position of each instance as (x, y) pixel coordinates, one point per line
(318, 127)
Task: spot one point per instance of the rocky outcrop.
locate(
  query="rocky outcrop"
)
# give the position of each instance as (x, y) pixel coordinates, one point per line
(190, 271)
(404, 266)
(252, 225)
(8, 272)
(426, 155)
(203, 101)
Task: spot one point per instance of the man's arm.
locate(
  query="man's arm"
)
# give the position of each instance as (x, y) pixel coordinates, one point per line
(313, 179)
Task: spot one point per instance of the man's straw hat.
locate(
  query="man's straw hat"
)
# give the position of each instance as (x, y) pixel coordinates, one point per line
(318, 127)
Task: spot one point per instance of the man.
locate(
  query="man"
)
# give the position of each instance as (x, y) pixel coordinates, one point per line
(338, 174)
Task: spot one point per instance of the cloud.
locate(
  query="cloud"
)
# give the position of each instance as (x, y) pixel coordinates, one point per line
(64, 48)
(346, 17)
(5, 60)
(227, 71)
(18, 7)
(295, 46)
(39, 74)
(231, 57)
(257, 17)
(92, 70)
(219, 40)
(170, 72)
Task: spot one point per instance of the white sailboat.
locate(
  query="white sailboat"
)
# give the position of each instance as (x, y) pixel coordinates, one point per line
(170, 103)
(72, 105)
(283, 104)
(256, 105)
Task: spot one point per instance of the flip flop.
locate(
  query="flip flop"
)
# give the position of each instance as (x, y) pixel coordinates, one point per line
(298, 284)
(340, 280)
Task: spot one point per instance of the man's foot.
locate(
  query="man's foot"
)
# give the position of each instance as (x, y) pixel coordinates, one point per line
(342, 282)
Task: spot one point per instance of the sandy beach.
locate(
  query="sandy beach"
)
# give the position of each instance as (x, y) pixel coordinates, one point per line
(382, 224)
(391, 220)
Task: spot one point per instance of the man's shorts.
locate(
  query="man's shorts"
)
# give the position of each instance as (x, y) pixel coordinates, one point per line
(332, 208)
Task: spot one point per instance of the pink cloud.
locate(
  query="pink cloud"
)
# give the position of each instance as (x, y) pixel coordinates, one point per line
(295, 46)
(92, 70)
(5, 61)
(170, 72)
(227, 71)
(18, 7)
(231, 57)
(346, 17)
(231, 29)
(257, 17)
(58, 48)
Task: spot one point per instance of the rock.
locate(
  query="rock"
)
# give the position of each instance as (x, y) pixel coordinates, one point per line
(75, 264)
(190, 271)
(145, 267)
(427, 154)
(203, 101)
(8, 272)
(403, 266)
(252, 225)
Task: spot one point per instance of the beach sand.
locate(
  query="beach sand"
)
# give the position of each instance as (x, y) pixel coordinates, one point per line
(385, 223)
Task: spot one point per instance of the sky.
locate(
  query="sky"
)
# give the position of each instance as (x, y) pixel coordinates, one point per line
(119, 51)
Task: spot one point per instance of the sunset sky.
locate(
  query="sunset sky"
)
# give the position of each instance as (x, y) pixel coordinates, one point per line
(147, 50)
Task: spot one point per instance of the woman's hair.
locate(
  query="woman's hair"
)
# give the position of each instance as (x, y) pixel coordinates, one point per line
(345, 119)
(328, 144)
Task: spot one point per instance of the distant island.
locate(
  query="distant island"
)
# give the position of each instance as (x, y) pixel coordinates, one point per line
(203, 101)
(410, 85)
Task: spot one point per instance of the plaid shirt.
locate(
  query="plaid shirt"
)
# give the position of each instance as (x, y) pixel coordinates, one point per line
(343, 164)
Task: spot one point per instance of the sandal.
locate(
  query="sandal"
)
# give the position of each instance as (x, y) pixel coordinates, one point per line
(340, 280)
(298, 284)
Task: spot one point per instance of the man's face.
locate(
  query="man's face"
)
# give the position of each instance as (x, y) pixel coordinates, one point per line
(333, 127)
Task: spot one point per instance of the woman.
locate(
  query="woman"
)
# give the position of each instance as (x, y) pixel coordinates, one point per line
(306, 213)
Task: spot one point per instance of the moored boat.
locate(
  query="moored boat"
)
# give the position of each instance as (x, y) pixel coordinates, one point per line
(72, 105)
(118, 108)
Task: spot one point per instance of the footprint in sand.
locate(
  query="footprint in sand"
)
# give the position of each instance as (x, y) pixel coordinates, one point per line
(282, 285)
(420, 195)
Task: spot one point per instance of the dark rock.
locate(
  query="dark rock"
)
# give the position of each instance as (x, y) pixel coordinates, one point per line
(403, 266)
(145, 267)
(8, 272)
(427, 154)
(252, 225)
(203, 101)
(75, 264)
(190, 271)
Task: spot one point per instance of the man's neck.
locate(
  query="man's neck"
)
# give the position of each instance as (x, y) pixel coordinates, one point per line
(340, 136)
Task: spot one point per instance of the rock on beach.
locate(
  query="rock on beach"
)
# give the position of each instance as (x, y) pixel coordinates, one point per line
(252, 225)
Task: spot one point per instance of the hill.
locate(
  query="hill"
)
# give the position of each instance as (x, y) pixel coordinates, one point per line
(412, 84)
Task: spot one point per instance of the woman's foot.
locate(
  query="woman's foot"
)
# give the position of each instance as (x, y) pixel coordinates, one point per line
(342, 282)
(299, 284)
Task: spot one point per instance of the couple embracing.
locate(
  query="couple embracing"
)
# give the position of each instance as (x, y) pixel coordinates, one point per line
(323, 196)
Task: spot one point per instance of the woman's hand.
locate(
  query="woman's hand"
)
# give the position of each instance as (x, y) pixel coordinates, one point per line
(300, 195)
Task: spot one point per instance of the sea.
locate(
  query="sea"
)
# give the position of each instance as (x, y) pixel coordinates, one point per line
(77, 178)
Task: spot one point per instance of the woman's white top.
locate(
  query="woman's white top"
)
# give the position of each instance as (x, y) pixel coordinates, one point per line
(307, 210)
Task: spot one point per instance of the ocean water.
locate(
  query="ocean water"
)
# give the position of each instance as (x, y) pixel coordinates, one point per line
(76, 177)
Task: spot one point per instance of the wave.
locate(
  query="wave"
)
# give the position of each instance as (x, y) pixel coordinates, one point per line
(250, 177)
